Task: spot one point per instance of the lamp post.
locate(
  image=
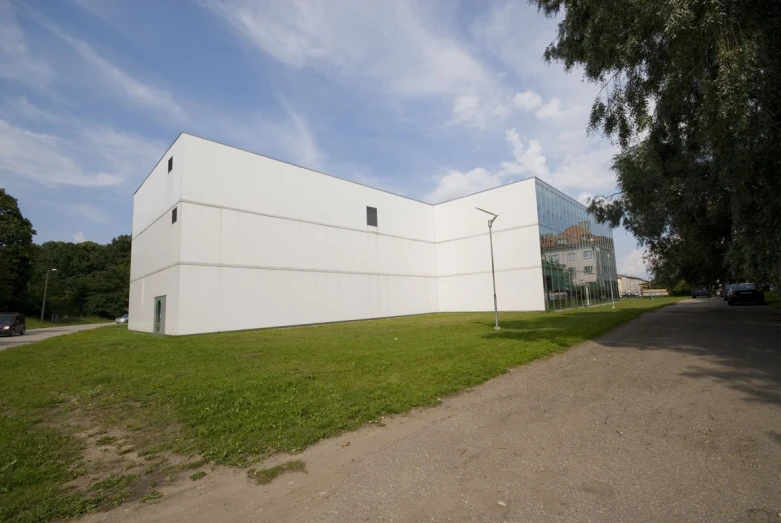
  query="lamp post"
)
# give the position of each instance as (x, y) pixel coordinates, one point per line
(45, 287)
(493, 272)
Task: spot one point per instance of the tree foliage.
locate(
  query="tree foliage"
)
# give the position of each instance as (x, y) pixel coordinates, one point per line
(690, 91)
(16, 250)
(91, 279)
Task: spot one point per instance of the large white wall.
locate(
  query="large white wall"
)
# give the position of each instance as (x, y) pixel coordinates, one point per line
(265, 243)
(464, 256)
(156, 244)
(261, 243)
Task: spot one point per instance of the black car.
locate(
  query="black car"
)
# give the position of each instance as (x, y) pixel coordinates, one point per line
(12, 323)
(745, 293)
(701, 292)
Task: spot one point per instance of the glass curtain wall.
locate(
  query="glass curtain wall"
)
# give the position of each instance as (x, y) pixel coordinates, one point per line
(578, 258)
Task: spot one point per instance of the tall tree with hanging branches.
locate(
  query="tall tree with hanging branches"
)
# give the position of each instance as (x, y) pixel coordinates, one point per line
(691, 92)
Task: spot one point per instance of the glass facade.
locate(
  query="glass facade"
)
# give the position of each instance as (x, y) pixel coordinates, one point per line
(578, 257)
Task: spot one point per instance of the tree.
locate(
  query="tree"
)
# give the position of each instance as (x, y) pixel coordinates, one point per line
(690, 92)
(16, 249)
(91, 279)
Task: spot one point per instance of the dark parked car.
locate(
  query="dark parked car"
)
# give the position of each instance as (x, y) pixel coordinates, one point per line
(745, 293)
(700, 292)
(12, 323)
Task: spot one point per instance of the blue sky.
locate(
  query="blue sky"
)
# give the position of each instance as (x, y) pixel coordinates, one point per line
(431, 99)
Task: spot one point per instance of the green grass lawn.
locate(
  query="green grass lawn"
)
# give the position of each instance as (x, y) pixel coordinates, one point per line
(35, 323)
(235, 398)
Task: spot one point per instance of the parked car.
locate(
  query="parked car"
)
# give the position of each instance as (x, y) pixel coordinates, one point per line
(745, 293)
(700, 292)
(12, 323)
(121, 319)
(630, 295)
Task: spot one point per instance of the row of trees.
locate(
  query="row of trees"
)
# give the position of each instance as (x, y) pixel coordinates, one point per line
(690, 92)
(91, 279)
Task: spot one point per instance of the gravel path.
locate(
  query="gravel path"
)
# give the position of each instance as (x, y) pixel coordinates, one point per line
(673, 417)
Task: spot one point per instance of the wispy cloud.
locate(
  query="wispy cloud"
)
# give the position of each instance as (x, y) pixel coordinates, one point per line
(397, 46)
(123, 83)
(72, 152)
(79, 237)
(18, 63)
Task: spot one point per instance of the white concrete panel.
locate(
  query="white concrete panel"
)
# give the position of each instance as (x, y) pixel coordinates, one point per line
(242, 239)
(515, 204)
(228, 177)
(160, 191)
(513, 249)
(142, 298)
(157, 247)
(516, 290)
(223, 298)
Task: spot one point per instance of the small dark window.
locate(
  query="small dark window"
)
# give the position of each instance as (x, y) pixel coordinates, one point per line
(170, 164)
(173, 215)
(371, 216)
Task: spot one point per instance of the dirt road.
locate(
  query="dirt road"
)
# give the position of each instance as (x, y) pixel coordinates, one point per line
(673, 417)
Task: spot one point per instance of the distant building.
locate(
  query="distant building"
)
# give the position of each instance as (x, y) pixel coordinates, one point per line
(225, 239)
(630, 284)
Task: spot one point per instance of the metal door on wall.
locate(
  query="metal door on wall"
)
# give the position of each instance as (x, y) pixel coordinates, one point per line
(159, 317)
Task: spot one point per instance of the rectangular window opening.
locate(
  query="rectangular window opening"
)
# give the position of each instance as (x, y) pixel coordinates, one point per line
(371, 216)
(170, 164)
(587, 254)
(173, 215)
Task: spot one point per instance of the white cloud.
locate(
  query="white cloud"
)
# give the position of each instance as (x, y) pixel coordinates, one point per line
(399, 46)
(527, 100)
(18, 63)
(123, 83)
(552, 109)
(588, 171)
(455, 183)
(79, 237)
(633, 264)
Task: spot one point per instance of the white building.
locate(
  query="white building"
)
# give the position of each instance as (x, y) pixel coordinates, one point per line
(225, 239)
(630, 284)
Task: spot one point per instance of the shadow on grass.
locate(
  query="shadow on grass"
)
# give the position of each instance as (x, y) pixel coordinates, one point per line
(740, 346)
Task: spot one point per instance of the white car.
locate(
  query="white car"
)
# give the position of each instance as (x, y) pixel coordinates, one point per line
(121, 319)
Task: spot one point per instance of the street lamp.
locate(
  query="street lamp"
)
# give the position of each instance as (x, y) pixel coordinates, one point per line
(612, 300)
(493, 272)
(46, 286)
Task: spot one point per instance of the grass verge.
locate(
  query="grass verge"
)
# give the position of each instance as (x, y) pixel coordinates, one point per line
(234, 398)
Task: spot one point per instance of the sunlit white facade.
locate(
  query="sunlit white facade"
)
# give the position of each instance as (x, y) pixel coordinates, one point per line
(224, 239)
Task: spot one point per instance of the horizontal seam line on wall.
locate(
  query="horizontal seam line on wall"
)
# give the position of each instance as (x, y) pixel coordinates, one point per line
(267, 215)
(157, 220)
(489, 272)
(273, 268)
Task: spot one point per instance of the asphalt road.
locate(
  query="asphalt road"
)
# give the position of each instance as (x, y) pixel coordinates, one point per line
(34, 335)
(674, 417)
